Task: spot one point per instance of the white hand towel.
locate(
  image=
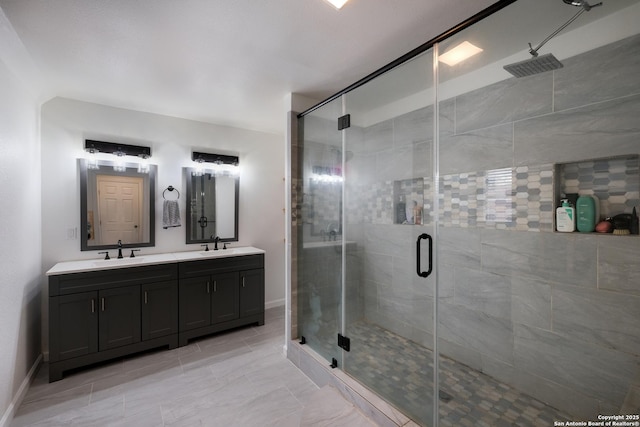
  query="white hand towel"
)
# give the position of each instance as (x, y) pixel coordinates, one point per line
(171, 214)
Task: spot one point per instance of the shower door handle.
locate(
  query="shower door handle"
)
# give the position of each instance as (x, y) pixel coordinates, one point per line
(419, 270)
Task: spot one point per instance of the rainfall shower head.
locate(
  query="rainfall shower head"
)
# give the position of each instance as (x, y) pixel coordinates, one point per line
(581, 3)
(535, 65)
(540, 64)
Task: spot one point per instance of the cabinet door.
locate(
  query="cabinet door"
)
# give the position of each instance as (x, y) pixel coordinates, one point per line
(119, 320)
(159, 309)
(73, 325)
(194, 303)
(251, 292)
(224, 300)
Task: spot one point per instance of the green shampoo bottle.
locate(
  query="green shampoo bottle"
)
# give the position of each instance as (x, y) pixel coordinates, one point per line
(587, 212)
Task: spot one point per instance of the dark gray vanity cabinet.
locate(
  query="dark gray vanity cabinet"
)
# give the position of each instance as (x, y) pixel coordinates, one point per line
(118, 317)
(99, 315)
(103, 314)
(76, 315)
(208, 300)
(252, 292)
(159, 309)
(220, 293)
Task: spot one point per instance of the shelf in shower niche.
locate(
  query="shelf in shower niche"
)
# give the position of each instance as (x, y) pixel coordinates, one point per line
(615, 181)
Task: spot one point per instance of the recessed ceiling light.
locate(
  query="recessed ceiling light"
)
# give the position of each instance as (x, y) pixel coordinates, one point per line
(459, 53)
(337, 3)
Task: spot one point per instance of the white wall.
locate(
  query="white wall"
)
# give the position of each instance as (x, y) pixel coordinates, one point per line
(67, 123)
(20, 260)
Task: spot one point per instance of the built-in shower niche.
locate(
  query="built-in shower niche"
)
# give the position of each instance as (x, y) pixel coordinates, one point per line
(615, 181)
(408, 201)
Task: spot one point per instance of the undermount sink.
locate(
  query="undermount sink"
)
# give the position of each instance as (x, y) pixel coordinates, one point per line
(212, 253)
(118, 261)
(223, 252)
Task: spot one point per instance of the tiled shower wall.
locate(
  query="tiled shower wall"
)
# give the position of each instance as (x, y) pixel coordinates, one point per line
(554, 314)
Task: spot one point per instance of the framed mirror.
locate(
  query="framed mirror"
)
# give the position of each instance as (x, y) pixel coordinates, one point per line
(212, 206)
(116, 206)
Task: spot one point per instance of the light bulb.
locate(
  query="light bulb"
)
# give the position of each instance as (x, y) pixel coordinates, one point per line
(118, 164)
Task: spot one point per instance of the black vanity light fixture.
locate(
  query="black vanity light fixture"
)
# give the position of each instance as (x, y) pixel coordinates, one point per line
(119, 150)
(221, 163)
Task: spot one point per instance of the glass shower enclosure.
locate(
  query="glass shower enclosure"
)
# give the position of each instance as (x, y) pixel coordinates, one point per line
(428, 263)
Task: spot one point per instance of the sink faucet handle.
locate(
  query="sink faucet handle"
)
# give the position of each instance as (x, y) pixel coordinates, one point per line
(206, 247)
(105, 252)
(224, 246)
(132, 252)
(119, 249)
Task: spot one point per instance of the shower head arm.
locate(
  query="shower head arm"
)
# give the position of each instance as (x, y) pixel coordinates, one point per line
(585, 7)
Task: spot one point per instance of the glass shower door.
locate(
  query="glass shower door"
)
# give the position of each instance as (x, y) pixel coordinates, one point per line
(319, 231)
(388, 206)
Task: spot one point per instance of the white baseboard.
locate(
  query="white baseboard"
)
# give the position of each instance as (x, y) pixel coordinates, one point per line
(274, 303)
(6, 419)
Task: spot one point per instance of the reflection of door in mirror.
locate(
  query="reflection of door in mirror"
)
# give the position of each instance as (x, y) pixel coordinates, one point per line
(119, 209)
(116, 205)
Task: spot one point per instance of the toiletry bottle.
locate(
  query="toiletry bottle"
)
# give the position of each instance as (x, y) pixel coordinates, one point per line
(417, 213)
(587, 213)
(401, 211)
(565, 217)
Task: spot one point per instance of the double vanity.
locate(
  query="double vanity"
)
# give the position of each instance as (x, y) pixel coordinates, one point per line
(104, 309)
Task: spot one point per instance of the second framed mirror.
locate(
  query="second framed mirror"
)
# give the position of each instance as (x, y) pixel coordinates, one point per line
(212, 205)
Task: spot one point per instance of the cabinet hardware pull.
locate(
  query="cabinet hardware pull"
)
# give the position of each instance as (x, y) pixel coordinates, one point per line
(146, 299)
(243, 281)
(215, 286)
(93, 305)
(102, 303)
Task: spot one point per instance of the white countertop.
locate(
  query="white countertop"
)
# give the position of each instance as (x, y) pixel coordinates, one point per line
(84, 265)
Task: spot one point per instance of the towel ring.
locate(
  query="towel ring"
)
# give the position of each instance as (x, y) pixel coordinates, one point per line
(170, 188)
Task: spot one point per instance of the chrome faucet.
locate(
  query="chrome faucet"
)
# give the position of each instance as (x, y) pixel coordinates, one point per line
(119, 248)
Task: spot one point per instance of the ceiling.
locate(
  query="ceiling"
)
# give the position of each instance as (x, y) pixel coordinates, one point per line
(223, 62)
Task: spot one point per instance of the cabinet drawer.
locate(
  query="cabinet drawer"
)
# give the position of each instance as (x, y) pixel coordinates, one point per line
(104, 279)
(205, 267)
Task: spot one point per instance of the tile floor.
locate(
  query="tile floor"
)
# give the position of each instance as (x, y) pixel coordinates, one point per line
(239, 378)
(402, 373)
(404, 376)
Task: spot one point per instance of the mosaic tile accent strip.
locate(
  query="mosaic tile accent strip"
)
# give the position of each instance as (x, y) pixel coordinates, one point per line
(296, 202)
(616, 182)
(509, 199)
(370, 204)
(322, 205)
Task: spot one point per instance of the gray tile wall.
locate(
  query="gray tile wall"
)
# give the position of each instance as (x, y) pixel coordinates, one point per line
(554, 314)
